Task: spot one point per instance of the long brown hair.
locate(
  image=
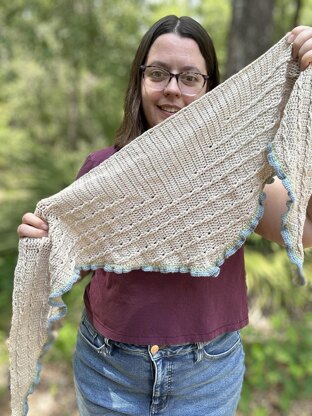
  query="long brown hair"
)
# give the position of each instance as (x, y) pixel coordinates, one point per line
(134, 123)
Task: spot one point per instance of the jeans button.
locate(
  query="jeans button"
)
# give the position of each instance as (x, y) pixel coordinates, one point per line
(154, 349)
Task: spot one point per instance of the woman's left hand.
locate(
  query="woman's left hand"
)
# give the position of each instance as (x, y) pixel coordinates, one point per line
(301, 38)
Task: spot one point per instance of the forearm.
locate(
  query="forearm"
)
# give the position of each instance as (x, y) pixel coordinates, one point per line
(307, 235)
(274, 207)
(309, 209)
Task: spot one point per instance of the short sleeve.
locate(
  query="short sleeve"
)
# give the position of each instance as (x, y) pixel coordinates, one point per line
(86, 167)
(94, 159)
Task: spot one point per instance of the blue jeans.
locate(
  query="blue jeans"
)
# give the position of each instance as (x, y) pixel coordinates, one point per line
(112, 378)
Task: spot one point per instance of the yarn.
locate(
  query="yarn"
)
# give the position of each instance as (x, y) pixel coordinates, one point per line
(182, 197)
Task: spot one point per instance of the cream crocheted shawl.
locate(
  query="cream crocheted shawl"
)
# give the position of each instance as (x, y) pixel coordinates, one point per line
(182, 197)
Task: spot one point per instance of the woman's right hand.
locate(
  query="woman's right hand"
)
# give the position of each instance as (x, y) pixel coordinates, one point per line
(32, 226)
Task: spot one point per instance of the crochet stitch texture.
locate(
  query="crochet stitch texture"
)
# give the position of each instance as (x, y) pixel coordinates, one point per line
(182, 197)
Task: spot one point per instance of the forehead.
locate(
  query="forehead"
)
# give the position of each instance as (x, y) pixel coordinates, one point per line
(176, 52)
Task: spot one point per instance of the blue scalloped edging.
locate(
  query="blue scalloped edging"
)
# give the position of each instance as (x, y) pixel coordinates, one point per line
(32, 387)
(62, 312)
(211, 272)
(274, 162)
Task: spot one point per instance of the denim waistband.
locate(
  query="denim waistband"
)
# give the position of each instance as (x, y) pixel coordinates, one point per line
(163, 350)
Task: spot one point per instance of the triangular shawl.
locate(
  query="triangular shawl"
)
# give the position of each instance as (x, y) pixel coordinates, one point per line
(182, 197)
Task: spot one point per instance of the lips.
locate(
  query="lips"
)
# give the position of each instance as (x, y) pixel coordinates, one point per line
(169, 108)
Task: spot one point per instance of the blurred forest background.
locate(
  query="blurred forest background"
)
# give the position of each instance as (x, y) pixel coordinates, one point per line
(63, 73)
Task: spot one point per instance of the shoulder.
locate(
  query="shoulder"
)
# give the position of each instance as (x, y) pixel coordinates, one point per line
(99, 156)
(94, 159)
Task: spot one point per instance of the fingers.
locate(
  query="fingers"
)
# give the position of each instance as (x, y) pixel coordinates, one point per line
(32, 226)
(24, 230)
(32, 219)
(296, 31)
(301, 39)
(306, 58)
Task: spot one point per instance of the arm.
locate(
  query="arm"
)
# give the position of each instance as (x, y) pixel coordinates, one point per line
(274, 207)
(301, 38)
(275, 202)
(32, 226)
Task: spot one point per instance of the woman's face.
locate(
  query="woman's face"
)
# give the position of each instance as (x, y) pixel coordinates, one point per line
(175, 54)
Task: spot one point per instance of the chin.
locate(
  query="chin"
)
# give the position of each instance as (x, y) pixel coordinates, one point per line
(158, 119)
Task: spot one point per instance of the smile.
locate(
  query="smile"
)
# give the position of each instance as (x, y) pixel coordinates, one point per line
(169, 109)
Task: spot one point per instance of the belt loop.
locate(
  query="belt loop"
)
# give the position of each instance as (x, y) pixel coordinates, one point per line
(108, 347)
(199, 353)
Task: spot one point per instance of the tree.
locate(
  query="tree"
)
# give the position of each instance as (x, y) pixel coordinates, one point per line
(64, 67)
(250, 33)
(288, 14)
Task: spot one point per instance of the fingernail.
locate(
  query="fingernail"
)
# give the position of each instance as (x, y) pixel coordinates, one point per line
(45, 227)
(291, 38)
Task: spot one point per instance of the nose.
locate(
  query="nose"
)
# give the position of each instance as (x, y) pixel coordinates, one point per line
(172, 88)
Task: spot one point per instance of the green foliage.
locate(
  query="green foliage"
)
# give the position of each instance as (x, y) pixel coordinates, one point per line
(63, 73)
(281, 362)
(3, 350)
(3, 366)
(64, 68)
(216, 18)
(66, 336)
(271, 278)
(285, 13)
(7, 265)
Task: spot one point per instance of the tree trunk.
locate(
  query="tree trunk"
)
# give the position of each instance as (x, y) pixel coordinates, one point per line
(297, 12)
(250, 33)
(73, 115)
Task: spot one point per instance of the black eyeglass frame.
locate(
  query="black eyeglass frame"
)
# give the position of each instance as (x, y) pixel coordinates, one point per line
(176, 76)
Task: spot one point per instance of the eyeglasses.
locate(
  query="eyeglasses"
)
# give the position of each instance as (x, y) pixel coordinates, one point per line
(156, 78)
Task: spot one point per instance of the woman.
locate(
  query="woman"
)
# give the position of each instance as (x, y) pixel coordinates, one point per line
(143, 348)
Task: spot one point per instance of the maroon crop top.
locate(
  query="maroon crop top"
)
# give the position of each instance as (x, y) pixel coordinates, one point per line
(173, 308)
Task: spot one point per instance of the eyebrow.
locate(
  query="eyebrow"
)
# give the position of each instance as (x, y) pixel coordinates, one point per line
(184, 68)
